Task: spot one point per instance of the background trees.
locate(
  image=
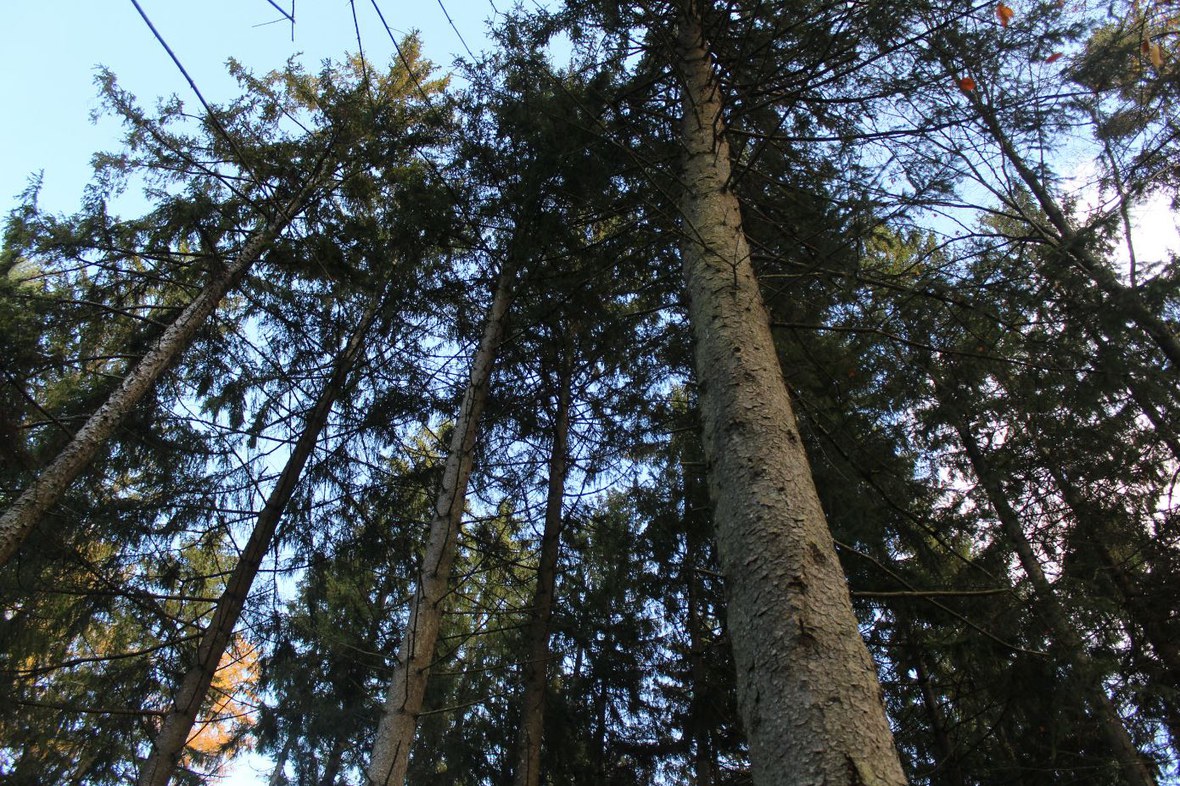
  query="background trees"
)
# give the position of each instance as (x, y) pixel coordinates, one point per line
(977, 351)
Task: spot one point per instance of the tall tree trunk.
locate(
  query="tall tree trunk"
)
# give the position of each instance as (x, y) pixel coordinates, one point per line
(335, 759)
(1069, 643)
(536, 667)
(403, 702)
(947, 769)
(700, 729)
(42, 494)
(1163, 423)
(174, 733)
(807, 688)
(700, 721)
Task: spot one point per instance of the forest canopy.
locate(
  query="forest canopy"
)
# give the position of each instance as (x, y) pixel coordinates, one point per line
(780, 392)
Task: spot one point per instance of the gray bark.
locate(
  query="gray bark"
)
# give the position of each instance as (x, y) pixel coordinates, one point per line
(277, 775)
(42, 494)
(403, 702)
(178, 723)
(807, 688)
(536, 668)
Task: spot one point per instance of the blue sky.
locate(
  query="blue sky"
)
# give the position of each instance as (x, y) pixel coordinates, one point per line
(50, 49)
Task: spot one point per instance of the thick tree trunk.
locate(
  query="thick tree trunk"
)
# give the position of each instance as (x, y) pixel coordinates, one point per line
(43, 493)
(536, 667)
(807, 688)
(1131, 762)
(178, 723)
(403, 702)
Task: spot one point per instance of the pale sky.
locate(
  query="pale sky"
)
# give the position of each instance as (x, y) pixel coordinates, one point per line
(49, 50)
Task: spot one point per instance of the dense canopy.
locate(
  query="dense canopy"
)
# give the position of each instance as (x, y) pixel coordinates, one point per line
(771, 392)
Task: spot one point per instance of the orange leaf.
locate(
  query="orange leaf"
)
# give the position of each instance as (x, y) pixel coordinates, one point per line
(1053, 58)
(966, 84)
(1004, 14)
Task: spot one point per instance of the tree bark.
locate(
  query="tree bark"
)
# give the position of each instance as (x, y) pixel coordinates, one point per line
(43, 493)
(403, 702)
(174, 733)
(807, 688)
(1070, 644)
(699, 728)
(536, 667)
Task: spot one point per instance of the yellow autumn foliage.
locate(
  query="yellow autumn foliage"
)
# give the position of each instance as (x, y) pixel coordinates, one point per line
(233, 694)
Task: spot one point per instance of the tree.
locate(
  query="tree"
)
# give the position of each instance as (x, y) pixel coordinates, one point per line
(282, 198)
(191, 694)
(776, 551)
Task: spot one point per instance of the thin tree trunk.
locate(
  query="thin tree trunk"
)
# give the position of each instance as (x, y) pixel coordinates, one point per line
(403, 702)
(278, 775)
(700, 719)
(699, 729)
(335, 759)
(174, 733)
(42, 494)
(1087, 678)
(536, 667)
(947, 769)
(1164, 427)
(807, 688)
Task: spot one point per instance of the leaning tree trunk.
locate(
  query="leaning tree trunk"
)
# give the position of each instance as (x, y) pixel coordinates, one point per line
(277, 775)
(536, 667)
(403, 702)
(178, 723)
(1069, 643)
(43, 493)
(807, 688)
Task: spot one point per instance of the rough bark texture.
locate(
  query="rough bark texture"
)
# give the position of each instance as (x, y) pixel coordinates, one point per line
(807, 688)
(403, 703)
(536, 668)
(1066, 638)
(178, 723)
(41, 495)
